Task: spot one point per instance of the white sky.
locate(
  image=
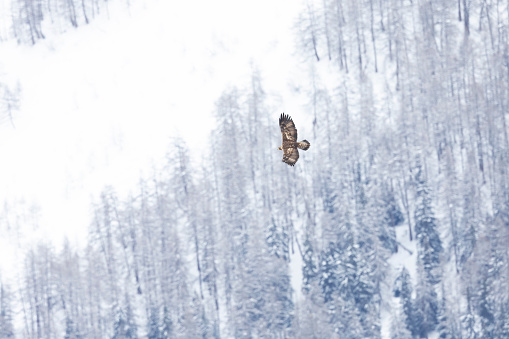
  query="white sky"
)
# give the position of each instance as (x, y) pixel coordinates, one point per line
(100, 103)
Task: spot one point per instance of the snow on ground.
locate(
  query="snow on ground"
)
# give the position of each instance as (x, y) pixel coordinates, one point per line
(405, 257)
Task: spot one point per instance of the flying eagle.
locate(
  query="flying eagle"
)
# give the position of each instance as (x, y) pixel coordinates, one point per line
(290, 144)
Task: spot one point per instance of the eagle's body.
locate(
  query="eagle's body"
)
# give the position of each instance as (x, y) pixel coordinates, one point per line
(290, 144)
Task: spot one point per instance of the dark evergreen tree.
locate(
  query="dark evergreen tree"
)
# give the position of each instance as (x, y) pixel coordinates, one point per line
(448, 327)
(358, 275)
(468, 319)
(426, 232)
(486, 311)
(399, 330)
(429, 248)
(328, 279)
(346, 277)
(71, 332)
(125, 326)
(344, 318)
(120, 325)
(469, 222)
(277, 239)
(403, 290)
(205, 328)
(263, 295)
(309, 266)
(426, 303)
(153, 324)
(167, 330)
(393, 215)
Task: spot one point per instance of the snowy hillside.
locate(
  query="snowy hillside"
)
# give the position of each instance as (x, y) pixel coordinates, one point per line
(143, 194)
(98, 98)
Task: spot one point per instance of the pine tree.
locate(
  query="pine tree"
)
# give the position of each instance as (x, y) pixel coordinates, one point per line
(429, 243)
(153, 324)
(399, 330)
(403, 290)
(263, 293)
(125, 326)
(429, 248)
(446, 324)
(71, 332)
(486, 311)
(426, 303)
(119, 326)
(328, 279)
(309, 267)
(132, 327)
(393, 215)
(467, 232)
(204, 328)
(344, 318)
(167, 330)
(468, 318)
(277, 239)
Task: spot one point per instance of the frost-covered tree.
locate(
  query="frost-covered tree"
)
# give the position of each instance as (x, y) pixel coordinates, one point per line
(426, 303)
(428, 262)
(10, 101)
(124, 325)
(426, 232)
(309, 265)
(399, 329)
(329, 281)
(167, 328)
(489, 281)
(27, 18)
(6, 312)
(154, 331)
(403, 290)
(277, 239)
(71, 332)
(468, 319)
(447, 326)
(393, 214)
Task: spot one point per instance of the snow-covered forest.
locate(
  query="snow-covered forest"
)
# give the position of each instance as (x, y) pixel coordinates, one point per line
(394, 224)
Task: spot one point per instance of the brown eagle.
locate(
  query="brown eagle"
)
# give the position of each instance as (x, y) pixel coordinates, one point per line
(290, 144)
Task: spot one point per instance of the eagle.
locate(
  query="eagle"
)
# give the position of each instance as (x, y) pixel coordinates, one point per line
(290, 144)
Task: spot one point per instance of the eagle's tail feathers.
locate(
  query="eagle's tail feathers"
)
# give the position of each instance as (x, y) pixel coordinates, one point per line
(304, 145)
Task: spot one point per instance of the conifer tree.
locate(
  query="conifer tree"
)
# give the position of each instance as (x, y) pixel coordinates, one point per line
(6, 312)
(153, 324)
(309, 266)
(403, 290)
(71, 332)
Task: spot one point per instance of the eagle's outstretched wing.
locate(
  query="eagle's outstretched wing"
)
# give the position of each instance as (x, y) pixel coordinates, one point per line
(291, 155)
(288, 129)
(289, 134)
